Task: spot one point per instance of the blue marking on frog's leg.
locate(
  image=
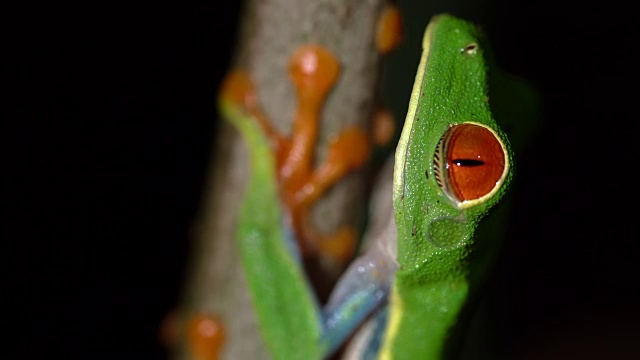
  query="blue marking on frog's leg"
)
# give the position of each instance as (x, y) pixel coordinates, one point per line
(361, 290)
(375, 341)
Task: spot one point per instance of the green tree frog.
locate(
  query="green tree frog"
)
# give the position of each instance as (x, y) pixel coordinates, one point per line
(403, 296)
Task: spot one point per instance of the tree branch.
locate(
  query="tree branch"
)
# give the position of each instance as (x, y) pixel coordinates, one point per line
(271, 31)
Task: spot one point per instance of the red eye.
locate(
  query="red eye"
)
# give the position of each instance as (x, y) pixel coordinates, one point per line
(469, 162)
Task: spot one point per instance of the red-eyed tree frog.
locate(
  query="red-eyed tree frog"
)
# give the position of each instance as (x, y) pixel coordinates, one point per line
(403, 296)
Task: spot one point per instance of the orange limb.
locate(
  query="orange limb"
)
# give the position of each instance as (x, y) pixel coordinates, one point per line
(347, 152)
(238, 88)
(313, 71)
(205, 337)
(389, 29)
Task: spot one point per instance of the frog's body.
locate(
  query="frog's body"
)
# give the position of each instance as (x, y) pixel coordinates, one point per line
(436, 227)
(452, 165)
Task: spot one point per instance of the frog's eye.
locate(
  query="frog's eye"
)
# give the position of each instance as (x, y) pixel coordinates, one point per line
(470, 163)
(470, 49)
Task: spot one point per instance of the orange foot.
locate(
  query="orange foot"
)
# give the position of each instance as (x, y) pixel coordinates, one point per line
(205, 337)
(313, 71)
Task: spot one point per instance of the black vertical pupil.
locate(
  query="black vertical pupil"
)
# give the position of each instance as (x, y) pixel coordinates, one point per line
(468, 162)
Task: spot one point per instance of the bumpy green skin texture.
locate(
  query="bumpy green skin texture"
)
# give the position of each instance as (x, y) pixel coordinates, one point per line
(435, 237)
(286, 312)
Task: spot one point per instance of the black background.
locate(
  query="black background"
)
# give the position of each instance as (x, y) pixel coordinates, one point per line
(110, 126)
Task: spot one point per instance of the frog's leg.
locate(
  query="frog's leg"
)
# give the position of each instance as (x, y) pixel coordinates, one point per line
(313, 71)
(204, 334)
(238, 88)
(205, 337)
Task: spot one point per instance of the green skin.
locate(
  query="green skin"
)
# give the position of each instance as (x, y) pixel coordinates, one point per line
(276, 281)
(436, 235)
